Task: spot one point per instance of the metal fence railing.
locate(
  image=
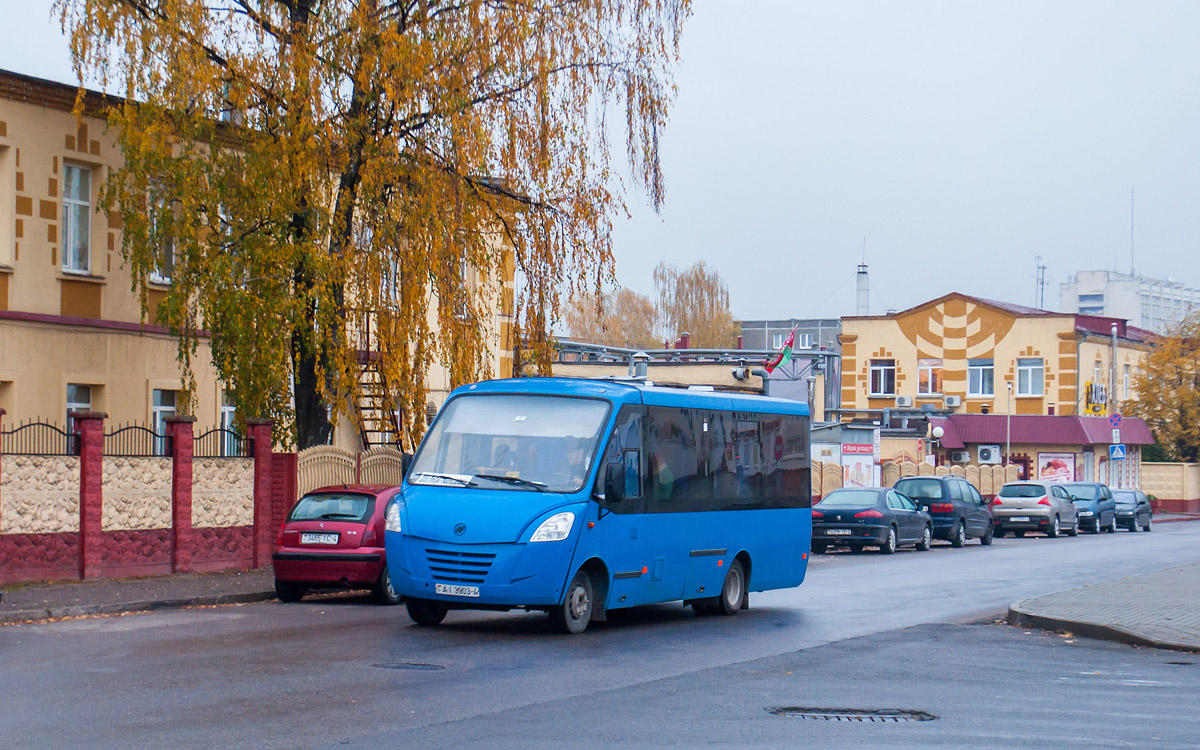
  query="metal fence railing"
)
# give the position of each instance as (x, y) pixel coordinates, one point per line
(222, 443)
(39, 439)
(136, 440)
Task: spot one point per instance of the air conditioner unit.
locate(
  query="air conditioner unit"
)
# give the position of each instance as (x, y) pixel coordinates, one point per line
(952, 402)
(988, 454)
(960, 457)
(904, 401)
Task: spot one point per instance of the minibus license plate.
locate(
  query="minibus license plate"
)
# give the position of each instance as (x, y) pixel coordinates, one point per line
(448, 590)
(318, 538)
(838, 532)
(1020, 518)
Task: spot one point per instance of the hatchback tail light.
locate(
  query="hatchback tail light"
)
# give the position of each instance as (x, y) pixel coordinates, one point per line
(996, 501)
(279, 539)
(941, 508)
(818, 514)
(1044, 501)
(869, 514)
(369, 536)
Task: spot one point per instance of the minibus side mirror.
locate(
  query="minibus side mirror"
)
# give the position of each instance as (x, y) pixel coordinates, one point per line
(614, 482)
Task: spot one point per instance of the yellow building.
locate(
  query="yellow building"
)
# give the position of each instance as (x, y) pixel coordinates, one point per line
(968, 355)
(71, 335)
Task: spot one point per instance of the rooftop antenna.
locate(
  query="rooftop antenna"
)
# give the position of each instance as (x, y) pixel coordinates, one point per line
(864, 287)
(1040, 296)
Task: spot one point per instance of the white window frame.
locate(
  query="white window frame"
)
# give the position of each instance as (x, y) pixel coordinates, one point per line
(803, 341)
(1127, 381)
(975, 385)
(67, 234)
(882, 367)
(159, 414)
(228, 421)
(777, 340)
(925, 370)
(1031, 377)
(78, 404)
(156, 275)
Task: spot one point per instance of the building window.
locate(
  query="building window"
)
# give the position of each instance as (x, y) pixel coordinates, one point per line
(229, 441)
(1127, 382)
(929, 376)
(883, 377)
(1096, 373)
(804, 341)
(777, 340)
(76, 218)
(8, 185)
(1031, 377)
(980, 373)
(164, 252)
(164, 406)
(79, 398)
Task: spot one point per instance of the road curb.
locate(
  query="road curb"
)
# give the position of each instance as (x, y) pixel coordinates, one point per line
(1024, 618)
(85, 610)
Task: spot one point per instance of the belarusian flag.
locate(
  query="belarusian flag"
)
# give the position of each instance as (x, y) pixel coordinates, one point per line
(784, 355)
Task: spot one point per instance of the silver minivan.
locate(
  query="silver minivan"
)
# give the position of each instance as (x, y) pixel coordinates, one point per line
(1034, 506)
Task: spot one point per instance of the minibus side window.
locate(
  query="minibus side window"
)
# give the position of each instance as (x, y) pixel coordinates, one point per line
(625, 447)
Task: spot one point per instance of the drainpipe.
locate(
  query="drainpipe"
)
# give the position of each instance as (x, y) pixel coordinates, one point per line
(766, 379)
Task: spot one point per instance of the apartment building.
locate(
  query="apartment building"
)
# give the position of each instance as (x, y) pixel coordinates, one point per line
(1153, 304)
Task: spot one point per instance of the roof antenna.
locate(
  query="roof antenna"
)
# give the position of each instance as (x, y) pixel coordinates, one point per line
(1131, 231)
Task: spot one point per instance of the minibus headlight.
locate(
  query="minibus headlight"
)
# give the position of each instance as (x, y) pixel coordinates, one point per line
(391, 519)
(555, 528)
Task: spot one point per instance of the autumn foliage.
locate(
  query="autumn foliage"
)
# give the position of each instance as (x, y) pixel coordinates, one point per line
(620, 318)
(323, 168)
(1168, 391)
(695, 300)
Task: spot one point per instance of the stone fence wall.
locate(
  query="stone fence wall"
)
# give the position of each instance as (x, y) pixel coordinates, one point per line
(91, 515)
(1176, 486)
(827, 477)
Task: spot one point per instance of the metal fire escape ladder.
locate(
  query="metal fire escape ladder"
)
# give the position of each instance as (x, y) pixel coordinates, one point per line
(377, 417)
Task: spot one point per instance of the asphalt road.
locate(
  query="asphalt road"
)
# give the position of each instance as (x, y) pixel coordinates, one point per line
(324, 673)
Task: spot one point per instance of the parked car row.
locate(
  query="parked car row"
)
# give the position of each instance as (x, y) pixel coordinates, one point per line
(919, 509)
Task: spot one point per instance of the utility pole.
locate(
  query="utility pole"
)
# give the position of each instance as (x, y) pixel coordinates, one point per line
(1040, 296)
(1112, 374)
(1008, 431)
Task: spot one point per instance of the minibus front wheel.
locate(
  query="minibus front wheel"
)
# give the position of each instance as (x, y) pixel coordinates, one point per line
(426, 612)
(575, 612)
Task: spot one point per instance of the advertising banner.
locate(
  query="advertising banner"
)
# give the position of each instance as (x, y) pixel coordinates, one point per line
(1056, 467)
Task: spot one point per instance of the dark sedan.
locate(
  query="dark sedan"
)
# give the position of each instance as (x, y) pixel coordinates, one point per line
(859, 517)
(1133, 510)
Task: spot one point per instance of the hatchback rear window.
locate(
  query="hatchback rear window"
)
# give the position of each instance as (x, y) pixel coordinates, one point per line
(1022, 490)
(920, 489)
(343, 506)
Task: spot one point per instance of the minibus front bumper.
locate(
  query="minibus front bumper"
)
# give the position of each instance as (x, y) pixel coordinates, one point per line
(479, 575)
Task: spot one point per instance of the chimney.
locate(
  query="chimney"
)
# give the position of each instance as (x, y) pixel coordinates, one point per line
(864, 291)
(739, 341)
(685, 340)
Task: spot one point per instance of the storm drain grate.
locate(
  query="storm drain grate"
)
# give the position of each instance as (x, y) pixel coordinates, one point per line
(410, 665)
(874, 715)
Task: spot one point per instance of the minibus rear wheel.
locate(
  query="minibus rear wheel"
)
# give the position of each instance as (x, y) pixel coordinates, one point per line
(575, 612)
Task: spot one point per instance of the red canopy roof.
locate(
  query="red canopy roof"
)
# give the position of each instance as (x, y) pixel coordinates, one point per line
(961, 430)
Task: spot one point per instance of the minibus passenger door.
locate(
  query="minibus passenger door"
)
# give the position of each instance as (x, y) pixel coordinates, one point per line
(618, 537)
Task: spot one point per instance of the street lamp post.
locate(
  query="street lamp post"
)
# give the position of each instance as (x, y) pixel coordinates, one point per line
(1008, 431)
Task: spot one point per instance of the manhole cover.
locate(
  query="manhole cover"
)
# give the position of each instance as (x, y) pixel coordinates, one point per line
(877, 715)
(410, 665)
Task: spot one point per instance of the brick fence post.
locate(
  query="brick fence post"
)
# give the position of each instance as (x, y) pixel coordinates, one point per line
(89, 431)
(183, 437)
(259, 431)
(2, 413)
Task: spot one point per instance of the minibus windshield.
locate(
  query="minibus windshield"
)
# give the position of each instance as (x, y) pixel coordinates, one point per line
(511, 442)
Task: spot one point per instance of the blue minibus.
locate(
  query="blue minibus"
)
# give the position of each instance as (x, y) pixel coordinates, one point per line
(577, 497)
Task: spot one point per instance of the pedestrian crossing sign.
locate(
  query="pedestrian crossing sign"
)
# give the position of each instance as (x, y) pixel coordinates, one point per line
(1116, 452)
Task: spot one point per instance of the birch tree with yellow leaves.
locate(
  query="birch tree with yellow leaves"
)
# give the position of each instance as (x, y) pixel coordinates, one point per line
(302, 160)
(1168, 391)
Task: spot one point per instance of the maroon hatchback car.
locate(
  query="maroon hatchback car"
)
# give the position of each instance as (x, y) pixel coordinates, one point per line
(333, 538)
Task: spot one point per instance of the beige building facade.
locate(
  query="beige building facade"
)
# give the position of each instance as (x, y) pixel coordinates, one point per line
(967, 355)
(71, 331)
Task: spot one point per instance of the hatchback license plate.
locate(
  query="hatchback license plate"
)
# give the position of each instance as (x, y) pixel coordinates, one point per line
(1019, 518)
(448, 590)
(318, 538)
(838, 532)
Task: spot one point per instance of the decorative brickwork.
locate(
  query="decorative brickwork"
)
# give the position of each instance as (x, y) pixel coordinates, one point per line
(39, 494)
(219, 549)
(31, 557)
(128, 553)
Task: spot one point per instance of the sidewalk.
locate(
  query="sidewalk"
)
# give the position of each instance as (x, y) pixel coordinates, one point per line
(1159, 609)
(112, 596)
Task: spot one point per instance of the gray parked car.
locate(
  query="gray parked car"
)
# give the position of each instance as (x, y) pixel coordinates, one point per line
(1034, 506)
(1133, 509)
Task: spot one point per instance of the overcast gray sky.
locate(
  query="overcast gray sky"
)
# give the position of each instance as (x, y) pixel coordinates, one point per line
(959, 138)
